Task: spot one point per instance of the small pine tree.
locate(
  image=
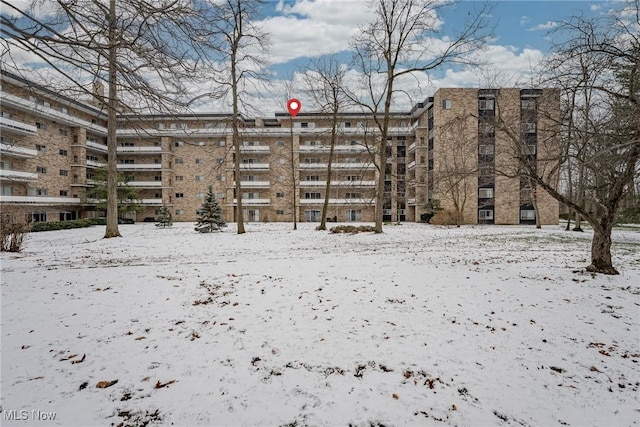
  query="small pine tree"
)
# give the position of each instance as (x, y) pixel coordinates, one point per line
(210, 214)
(164, 219)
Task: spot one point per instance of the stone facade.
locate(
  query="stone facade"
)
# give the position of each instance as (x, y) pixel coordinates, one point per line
(52, 147)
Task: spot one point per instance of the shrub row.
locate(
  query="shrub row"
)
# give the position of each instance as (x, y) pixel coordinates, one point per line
(351, 229)
(76, 223)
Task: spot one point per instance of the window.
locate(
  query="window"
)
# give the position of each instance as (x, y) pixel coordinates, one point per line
(353, 215)
(249, 161)
(353, 196)
(529, 127)
(179, 143)
(37, 192)
(62, 132)
(221, 177)
(485, 214)
(446, 104)
(528, 104)
(280, 212)
(485, 193)
(6, 190)
(200, 143)
(312, 196)
(220, 195)
(127, 144)
(279, 194)
(304, 125)
(312, 215)
(64, 193)
(281, 160)
(347, 124)
(37, 217)
(486, 104)
(248, 178)
(127, 161)
(179, 178)
(485, 170)
(280, 143)
(64, 172)
(314, 178)
(222, 143)
(63, 152)
(199, 195)
(42, 148)
(199, 178)
(42, 126)
(353, 178)
(486, 128)
(210, 125)
(527, 214)
(199, 161)
(179, 212)
(41, 169)
(179, 160)
(155, 178)
(312, 160)
(179, 195)
(250, 196)
(530, 149)
(485, 149)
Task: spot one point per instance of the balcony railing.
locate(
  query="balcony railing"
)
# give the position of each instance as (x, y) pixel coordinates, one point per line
(358, 166)
(338, 183)
(254, 184)
(94, 164)
(16, 151)
(12, 175)
(41, 200)
(254, 166)
(411, 165)
(254, 149)
(14, 126)
(337, 202)
(253, 202)
(138, 166)
(145, 184)
(97, 146)
(139, 150)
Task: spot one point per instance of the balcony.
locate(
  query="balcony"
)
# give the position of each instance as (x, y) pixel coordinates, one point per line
(336, 149)
(95, 145)
(355, 166)
(411, 202)
(11, 175)
(94, 164)
(145, 184)
(139, 150)
(14, 126)
(322, 184)
(254, 166)
(16, 151)
(411, 165)
(253, 202)
(338, 202)
(40, 200)
(411, 148)
(254, 184)
(139, 166)
(254, 149)
(157, 202)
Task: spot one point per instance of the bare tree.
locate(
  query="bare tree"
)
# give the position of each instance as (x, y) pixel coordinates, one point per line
(143, 50)
(604, 138)
(457, 169)
(324, 81)
(399, 42)
(240, 45)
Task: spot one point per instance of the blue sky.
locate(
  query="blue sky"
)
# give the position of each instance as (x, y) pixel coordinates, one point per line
(302, 29)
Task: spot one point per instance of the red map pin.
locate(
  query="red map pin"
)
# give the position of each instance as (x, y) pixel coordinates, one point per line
(293, 105)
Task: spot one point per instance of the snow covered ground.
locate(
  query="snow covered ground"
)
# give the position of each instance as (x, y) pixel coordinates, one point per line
(421, 325)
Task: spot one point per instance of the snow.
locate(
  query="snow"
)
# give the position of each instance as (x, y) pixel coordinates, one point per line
(420, 325)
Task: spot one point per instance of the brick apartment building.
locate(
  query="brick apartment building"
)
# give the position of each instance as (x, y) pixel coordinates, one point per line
(52, 147)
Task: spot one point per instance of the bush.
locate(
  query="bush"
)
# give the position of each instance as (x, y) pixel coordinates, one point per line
(12, 235)
(63, 225)
(352, 229)
(444, 218)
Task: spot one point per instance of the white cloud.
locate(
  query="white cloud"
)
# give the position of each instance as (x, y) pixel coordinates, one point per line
(524, 21)
(595, 7)
(544, 27)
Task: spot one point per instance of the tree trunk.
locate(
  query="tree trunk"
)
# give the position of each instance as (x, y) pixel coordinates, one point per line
(112, 145)
(601, 248)
(236, 143)
(327, 189)
(293, 181)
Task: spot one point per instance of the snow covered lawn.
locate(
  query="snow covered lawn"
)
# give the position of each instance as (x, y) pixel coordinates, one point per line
(420, 325)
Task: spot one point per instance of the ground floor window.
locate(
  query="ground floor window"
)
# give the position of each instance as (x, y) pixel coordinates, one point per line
(527, 214)
(37, 217)
(485, 215)
(68, 216)
(312, 216)
(353, 215)
(251, 215)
